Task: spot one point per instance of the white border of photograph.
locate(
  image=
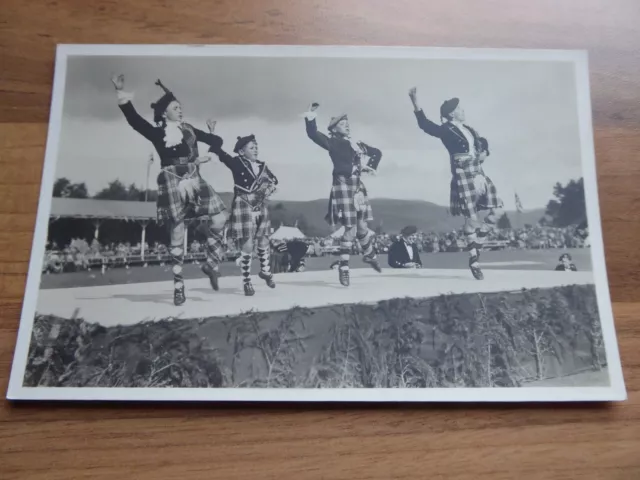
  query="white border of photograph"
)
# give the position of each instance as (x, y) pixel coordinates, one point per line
(615, 392)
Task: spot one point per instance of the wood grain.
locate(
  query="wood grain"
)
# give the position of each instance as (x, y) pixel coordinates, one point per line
(316, 441)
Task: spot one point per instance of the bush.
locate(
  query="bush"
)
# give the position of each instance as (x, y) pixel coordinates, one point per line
(481, 340)
(74, 353)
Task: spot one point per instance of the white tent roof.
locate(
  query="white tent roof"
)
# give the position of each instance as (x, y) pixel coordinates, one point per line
(287, 233)
(338, 233)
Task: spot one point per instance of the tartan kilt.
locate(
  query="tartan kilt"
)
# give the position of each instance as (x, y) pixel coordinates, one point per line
(245, 224)
(465, 200)
(171, 208)
(342, 207)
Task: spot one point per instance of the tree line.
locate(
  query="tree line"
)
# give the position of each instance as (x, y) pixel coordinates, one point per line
(115, 190)
(567, 207)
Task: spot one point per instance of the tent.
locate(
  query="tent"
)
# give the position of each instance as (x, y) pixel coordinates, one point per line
(338, 233)
(287, 233)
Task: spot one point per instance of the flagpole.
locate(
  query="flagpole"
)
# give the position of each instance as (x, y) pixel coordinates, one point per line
(518, 209)
(146, 187)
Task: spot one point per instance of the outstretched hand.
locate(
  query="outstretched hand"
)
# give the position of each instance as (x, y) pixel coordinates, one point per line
(368, 171)
(203, 159)
(118, 81)
(211, 124)
(413, 95)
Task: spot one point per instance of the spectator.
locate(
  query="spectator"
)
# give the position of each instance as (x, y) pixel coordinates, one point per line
(404, 252)
(565, 264)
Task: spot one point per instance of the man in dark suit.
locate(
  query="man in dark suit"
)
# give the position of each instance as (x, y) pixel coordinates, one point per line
(565, 264)
(291, 255)
(404, 251)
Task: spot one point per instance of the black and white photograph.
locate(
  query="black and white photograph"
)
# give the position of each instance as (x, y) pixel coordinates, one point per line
(282, 223)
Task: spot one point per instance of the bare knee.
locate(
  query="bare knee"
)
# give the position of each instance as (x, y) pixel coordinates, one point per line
(362, 230)
(247, 247)
(218, 221)
(176, 232)
(470, 226)
(349, 233)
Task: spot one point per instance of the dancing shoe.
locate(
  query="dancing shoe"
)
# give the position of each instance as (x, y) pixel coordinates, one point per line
(343, 276)
(373, 261)
(475, 267)
(212, 274)
(268, 278)
(178, 296)
(248, 289)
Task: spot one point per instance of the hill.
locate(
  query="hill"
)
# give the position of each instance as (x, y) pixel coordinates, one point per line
(390, 214)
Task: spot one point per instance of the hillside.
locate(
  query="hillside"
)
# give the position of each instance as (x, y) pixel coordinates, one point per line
(392, 215)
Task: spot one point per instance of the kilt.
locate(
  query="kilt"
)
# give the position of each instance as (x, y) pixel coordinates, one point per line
(466, 200)
(172, 208)
(342, 206)
(245, 224)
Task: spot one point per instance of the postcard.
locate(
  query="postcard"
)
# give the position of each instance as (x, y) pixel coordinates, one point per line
(302, 223)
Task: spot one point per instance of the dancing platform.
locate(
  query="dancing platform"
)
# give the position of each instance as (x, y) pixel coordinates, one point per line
(131, 303)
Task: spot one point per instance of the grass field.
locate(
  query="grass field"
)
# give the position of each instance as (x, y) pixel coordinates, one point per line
(468, 340)
(520, 259)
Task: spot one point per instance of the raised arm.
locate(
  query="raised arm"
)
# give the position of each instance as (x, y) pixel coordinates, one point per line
(215, 143)
(133, 118)
(209, 138)
(426, 125)
(373, 152)
(317, 137)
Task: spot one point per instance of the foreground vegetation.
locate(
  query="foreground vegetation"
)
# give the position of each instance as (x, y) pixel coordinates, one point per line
(479, 340)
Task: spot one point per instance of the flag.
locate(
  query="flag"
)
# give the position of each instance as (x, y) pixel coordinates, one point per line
(518, 203)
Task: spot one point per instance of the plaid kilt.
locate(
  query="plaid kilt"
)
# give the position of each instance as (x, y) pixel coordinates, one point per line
(342, 207)
(245, 224)
(465, 200)
(172, 208)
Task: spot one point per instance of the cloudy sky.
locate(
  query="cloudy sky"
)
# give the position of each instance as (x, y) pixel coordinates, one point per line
(527, 111)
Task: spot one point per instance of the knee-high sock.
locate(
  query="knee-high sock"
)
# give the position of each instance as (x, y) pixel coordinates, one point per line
(366, 242)
(214, 249)
(345, 249)
(482, 235)
(263, 255)
(472, 244)
(177, 259)
(245, 267)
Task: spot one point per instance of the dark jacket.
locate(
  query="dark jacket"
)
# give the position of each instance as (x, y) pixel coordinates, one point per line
(398, 254)
(452, 138)
(244, 180)
(561, 268)
(340, 150)
(181, 154)
(292, 255)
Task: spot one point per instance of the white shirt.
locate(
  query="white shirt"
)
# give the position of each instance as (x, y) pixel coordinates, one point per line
(255, 167)
(409, 248)
(467, 134)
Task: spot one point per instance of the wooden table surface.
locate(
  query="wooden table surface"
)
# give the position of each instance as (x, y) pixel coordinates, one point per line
(314, 441)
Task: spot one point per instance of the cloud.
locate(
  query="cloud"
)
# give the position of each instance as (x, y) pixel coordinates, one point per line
(527, 110)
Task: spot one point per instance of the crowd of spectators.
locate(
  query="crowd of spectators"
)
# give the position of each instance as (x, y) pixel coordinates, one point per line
(82, 255)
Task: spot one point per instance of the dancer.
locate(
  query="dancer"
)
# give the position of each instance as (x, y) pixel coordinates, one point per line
(182, 193)
(348, 202)
(249, 222)
(471, 190)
